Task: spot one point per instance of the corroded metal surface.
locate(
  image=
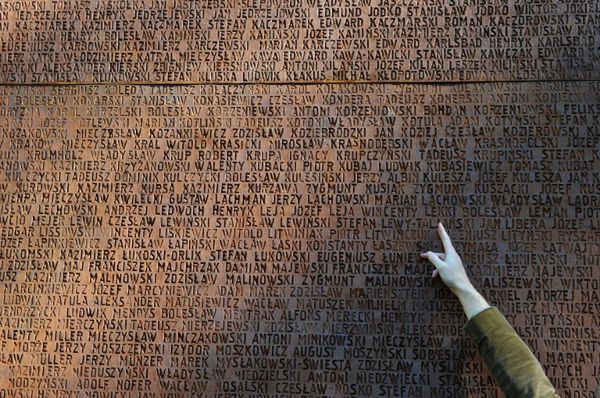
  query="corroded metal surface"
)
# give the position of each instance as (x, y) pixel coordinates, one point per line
(296, 41)
(254, 240)
(263, 239)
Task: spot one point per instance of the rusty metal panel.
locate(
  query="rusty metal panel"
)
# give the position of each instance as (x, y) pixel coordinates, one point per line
(208, 240)
(258, 41)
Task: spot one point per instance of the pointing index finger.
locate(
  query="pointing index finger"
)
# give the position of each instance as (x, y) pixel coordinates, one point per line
(448, 248)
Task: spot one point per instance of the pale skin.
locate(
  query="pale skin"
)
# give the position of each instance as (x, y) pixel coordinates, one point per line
(450, 268)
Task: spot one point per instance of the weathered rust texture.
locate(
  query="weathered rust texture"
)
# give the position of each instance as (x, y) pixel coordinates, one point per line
(212, 239)
(297, 41)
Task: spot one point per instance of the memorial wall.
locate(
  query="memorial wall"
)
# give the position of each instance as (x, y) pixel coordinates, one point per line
(228, 198)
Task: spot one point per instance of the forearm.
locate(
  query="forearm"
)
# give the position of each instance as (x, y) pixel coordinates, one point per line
(515, 368)
(472, 302)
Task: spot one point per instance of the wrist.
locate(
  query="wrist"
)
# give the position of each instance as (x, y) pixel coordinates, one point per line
(464, 290)
(472, 302)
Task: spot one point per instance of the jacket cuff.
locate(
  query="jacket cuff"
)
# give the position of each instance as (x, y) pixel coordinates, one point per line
(485, 323)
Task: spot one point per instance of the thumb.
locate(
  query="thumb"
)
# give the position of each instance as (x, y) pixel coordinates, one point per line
(431, 256)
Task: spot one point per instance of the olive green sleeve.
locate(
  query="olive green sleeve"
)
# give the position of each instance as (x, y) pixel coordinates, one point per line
(513, 365)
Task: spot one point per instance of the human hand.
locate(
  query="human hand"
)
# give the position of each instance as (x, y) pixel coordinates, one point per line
(450, 268)
(448, 265)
